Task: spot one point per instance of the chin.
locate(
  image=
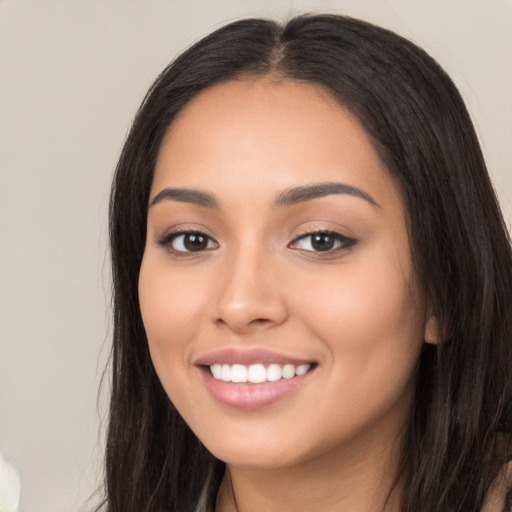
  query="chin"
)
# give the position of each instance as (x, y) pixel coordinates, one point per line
(254, 457)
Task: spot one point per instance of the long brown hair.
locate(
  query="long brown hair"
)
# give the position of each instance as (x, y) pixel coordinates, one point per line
(459, 435)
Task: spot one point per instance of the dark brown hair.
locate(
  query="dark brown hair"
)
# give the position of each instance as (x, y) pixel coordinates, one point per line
(459, 435)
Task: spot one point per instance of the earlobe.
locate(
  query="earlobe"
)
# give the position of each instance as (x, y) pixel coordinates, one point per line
(432, 334)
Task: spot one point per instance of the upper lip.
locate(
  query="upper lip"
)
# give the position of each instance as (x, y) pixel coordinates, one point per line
(247, 357)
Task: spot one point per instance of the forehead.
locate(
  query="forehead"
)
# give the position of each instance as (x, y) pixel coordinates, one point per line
(277, 131)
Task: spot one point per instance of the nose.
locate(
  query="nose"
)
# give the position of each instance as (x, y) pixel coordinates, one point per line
(250, 296)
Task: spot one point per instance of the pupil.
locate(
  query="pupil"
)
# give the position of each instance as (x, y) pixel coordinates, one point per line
(322, 242)
(195, 242)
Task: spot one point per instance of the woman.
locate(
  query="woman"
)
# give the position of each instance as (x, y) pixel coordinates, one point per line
(312, 283)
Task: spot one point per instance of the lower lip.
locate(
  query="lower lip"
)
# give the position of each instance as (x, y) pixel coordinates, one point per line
(251, 396)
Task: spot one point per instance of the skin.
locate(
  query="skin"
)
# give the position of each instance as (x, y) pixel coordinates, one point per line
(356, 311)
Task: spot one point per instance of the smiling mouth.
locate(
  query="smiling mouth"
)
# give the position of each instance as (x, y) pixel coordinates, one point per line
(257, 373)
(252, 380)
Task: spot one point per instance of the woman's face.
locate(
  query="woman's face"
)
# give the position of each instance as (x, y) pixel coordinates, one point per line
(278, 257)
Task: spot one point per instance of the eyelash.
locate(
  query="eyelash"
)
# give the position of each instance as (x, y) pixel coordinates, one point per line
(168, 240)
(344, 242)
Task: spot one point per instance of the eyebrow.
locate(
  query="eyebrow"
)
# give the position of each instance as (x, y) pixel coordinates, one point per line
(186, 195)
(288, 197)
(308, 192)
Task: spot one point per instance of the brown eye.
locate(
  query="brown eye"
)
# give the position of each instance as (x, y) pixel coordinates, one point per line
(194, 242)
(188, 242)
(324, 241)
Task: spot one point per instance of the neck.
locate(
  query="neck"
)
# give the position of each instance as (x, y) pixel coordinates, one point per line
(334, 482)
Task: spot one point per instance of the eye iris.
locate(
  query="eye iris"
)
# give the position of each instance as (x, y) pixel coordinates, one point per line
(322, 242)
(194, 242)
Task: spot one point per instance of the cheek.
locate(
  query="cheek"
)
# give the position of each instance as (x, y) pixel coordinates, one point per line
(369, 316)
(172, 309)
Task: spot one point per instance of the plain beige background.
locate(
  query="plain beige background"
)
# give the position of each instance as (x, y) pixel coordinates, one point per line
(72, 73)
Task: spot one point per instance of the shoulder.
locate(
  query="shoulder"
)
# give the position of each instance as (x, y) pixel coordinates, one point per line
(495, 501)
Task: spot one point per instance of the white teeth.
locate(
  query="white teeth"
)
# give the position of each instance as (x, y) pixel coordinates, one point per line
(226, 373)
(288, 371)
(238, 373)
(274, 373)
(256, 373)
(302, 369)
(216, 370)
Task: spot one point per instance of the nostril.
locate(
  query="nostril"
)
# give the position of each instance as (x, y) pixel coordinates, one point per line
(241, 326)
(260, 321)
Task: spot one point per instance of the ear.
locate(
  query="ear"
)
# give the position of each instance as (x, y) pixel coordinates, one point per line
(432, 334)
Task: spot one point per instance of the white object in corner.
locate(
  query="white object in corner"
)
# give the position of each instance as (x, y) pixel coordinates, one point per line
(10, 487)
